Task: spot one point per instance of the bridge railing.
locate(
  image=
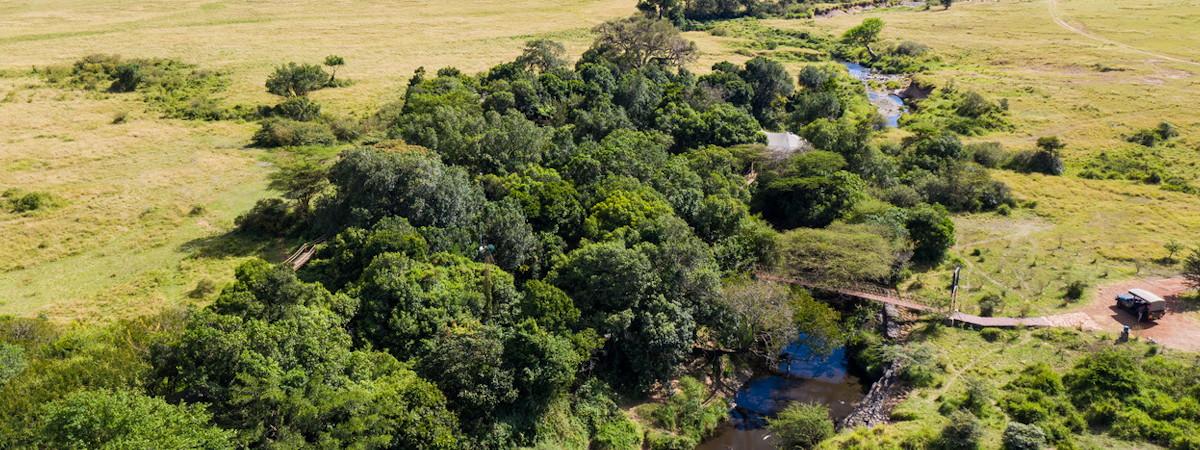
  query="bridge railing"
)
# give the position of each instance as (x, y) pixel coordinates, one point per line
(846, 288)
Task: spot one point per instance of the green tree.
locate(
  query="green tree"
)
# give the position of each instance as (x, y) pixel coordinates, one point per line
(549, 306)
(374, 183)
(637, 42)
(125, 419)
(301, 182)
(293, 79)
(771, 85)
(1172, 247)
(406, 304)
(864, 34)
(812, 190)
(273, 360)
(802, 425)
(1191, 268)
(931, 231)
(333, 62)
(839, 253)
(542, 55)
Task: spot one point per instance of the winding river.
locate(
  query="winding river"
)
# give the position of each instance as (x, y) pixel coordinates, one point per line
(890, 105)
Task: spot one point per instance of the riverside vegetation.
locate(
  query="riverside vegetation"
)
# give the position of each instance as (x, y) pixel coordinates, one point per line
(508, 258)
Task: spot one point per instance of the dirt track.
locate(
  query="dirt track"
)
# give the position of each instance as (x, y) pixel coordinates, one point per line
(1179, 329)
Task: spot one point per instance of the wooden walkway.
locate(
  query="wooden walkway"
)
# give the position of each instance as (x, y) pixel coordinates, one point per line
(898, 299)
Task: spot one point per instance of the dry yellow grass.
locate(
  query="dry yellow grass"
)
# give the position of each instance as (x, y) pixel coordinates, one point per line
(147, 200)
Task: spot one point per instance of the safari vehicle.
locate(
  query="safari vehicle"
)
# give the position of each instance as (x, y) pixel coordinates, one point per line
(1143, 304)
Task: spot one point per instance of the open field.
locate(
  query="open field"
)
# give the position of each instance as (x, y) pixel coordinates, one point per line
(382, 41)
(146, 202)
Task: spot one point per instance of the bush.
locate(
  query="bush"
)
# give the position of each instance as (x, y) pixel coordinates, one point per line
(991, 334)
(686, 414)
(293, 79)
(962, 433)
(270, 216)
(802, 426)
(297, 108)
(1019, 436)
(658, 440)
(989, 304)
(23, 202)
(988, 154)
(1074, 290)
(277, 132)
(618, 434)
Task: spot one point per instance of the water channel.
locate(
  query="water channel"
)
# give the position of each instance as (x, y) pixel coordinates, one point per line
(803, 376)
(890, 105)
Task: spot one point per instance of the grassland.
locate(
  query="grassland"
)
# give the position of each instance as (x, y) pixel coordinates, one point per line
(966, 355)
(147, 203)
(1058, 83)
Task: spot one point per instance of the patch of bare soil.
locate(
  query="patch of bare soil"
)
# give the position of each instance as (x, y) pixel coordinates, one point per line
(1179, 329)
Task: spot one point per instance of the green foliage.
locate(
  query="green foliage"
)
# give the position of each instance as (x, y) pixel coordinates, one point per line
(963, 112)
(839, 253)
(375, 183)
(932, 233)
(1074, 290)
(20, 202)
(637, 42)
(1150, 137)
(273, 360)
(1019, 436)
(964, 432)
(802, 425)
(124, 419)
(283, 132)
(12, 361)
(811, 190)
(176, 89)
(1191, 268)
(297, 108)
(291, 79)
(688, 413)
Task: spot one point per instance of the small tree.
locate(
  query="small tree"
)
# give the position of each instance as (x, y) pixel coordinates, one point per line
(802, 426)
(333, 62)
(1172, 246)
(1191, 268)
(865, 34)
(293, 79)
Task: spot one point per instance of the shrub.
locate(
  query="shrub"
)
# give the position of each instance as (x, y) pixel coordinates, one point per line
(12, 361)
(686, 414)
(987, 154)
(618, 434)
(1074, 290)
(23, 202)
(802, 426)
(297, 108)
(293, 79)
(962, 433)
(979, 395)
(989, 304)
(269, 216)
(658, 440)
(1019, 436)
(277, 132)
(991, 334)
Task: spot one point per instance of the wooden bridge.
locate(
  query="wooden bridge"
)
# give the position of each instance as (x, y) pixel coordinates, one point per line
(888, 296)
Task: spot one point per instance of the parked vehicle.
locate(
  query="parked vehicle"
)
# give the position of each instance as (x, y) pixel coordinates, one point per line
(1143, 304)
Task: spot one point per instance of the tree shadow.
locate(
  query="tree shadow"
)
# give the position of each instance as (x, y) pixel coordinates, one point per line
(237, 244)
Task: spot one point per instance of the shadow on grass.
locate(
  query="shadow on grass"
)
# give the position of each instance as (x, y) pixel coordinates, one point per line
(237, 244)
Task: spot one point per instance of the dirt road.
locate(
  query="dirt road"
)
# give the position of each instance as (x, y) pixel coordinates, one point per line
(1179, 329)
(1053, 5)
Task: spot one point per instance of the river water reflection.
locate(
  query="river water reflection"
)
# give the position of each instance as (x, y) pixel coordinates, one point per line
(805, 377)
